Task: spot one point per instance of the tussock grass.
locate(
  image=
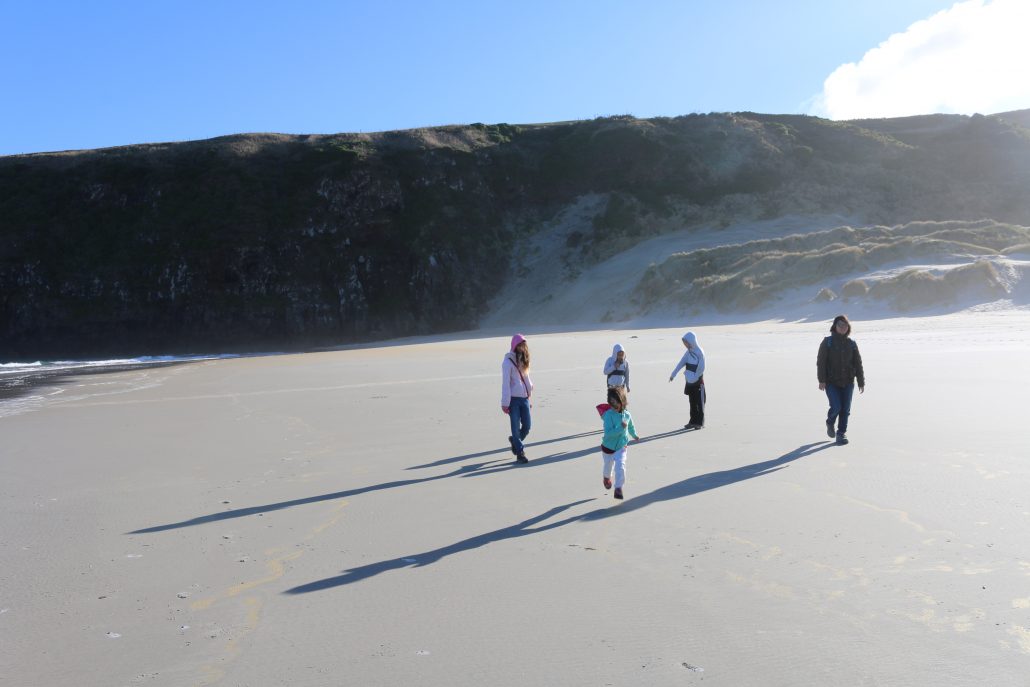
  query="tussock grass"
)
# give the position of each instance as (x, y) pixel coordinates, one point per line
(915, 289)
(749, 275)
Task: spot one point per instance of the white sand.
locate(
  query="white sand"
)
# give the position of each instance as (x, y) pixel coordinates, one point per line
(376, 484)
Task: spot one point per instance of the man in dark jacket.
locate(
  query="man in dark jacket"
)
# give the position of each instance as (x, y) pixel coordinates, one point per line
(838, 365)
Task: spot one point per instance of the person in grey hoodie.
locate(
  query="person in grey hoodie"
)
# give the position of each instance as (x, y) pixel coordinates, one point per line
(616, 368)
(693, 365)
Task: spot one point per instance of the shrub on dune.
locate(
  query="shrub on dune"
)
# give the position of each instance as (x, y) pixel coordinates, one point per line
(856, 288)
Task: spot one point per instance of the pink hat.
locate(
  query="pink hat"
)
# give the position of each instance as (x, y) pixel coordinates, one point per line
(516, 340)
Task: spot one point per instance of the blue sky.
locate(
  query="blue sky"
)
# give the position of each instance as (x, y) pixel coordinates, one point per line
(95, 74)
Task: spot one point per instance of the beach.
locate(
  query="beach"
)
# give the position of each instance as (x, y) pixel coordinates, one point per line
(356, 517)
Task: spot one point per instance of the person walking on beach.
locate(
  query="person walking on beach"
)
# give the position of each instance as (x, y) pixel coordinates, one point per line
(837, 366)
(693, 364)
(616, 368)
(618, 428)
(516, 389)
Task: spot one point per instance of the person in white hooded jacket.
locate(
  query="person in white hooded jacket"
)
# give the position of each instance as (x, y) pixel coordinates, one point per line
(616, 368)
(693, 365)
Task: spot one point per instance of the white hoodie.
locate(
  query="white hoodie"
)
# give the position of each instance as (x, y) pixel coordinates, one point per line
(620, 378)
(693, 360)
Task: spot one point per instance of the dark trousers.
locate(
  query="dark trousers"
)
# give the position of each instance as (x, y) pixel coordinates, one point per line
(696, 394)
(518, 413)
(840, 405)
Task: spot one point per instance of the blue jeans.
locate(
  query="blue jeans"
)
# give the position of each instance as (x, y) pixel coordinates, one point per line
(518, 413)
(840, 405)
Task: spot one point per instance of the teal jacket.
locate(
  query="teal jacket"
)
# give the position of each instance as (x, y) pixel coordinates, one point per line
(615, 435)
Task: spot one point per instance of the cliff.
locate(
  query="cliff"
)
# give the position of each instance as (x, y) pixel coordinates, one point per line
(269, 242)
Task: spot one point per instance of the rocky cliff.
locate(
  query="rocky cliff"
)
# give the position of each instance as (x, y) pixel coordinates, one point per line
(261, 242)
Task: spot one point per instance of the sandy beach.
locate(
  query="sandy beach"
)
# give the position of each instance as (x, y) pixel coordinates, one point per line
(354, 517)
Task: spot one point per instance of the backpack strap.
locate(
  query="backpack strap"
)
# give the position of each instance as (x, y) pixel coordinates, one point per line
(529, 392)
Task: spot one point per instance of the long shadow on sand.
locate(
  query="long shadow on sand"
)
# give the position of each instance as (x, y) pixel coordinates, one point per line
(483, 468)
(566, 455)
(469, 456)
(418, 560)
(463, 471)
(687, 487)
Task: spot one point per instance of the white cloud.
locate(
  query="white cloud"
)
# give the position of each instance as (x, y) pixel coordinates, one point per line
(974, 57)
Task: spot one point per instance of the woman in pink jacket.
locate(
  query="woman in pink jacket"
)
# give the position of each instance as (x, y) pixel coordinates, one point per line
(516, 389)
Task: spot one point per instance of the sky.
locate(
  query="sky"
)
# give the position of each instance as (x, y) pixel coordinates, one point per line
(78, 75)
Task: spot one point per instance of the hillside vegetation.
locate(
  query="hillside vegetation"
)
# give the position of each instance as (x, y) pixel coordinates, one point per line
(260, 242)
(750, 275)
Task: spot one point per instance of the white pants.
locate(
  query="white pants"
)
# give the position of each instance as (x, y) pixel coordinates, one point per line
(618, 461)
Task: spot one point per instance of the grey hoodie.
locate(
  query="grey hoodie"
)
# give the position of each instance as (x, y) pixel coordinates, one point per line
(618, 373)
(693, 360)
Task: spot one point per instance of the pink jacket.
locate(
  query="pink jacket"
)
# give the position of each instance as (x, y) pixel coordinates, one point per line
(512, 383)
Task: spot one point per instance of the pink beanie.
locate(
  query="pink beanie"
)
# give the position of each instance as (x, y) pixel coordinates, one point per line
(516, 340)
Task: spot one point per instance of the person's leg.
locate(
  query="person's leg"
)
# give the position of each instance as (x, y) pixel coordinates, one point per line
(833, 396)
(527, 420)
(694, 395)
(690, 400)
(845, 393)
(702, 397)
(606, 468)
(620, 467)
(515, 416)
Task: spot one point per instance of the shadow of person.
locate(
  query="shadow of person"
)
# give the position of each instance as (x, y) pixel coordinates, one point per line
(418, 560)
(708, 481)
(463, 471)
(663, 435)
(567, 455)
(506, 449)
(484, 468)
(687, 487)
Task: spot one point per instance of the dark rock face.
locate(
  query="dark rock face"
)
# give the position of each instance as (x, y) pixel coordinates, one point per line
(263, 242)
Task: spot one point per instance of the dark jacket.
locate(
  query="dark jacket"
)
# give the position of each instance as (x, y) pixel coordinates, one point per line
(839, 361)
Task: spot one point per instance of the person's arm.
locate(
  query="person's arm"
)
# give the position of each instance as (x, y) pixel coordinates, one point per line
(612, 424)
(679, 366)
(505, 384)
(820, 365)
(859, 372)
(700, 364)
(609, 366)
(627, 375)
(633, 429)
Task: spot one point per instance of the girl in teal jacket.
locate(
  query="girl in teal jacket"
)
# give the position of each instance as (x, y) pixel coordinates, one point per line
(618, 428)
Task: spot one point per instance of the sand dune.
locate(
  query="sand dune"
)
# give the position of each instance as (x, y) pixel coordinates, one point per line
(781, 269)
